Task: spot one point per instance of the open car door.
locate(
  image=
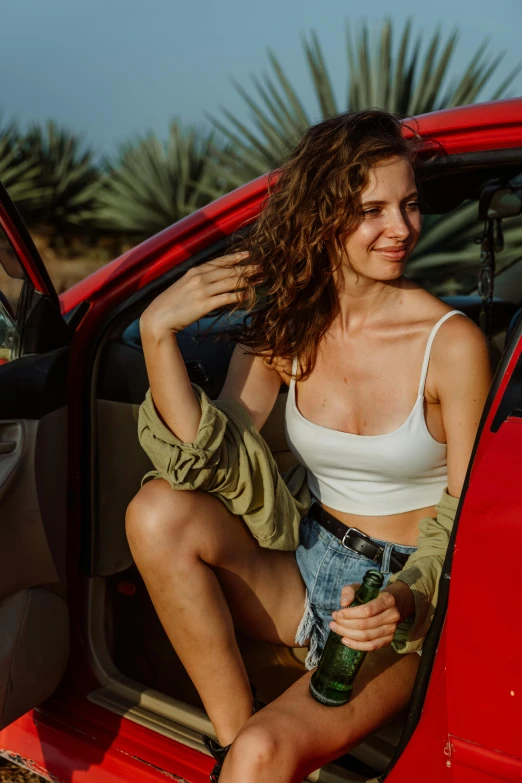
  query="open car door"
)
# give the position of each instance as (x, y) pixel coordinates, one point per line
(34, 622)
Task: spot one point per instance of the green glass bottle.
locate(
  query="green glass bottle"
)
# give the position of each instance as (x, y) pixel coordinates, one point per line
(332, 681)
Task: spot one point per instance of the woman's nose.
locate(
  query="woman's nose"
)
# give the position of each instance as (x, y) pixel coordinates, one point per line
(399, 226)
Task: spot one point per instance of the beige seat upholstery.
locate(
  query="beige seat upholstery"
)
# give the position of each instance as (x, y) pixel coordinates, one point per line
(122, 463)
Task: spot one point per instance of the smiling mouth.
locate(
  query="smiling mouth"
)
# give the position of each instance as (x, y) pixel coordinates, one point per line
(391, 252)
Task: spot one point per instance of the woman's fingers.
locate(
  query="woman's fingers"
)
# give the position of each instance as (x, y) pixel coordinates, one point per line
(391, 617)
(363, 630)
(233, 281)
(369, 626)
(365, 635)
(230, 258)
(380, 604)
(231, 261)
(376, 644)
(343, 617)
(348, 594)
(212, 273)
(221, 300)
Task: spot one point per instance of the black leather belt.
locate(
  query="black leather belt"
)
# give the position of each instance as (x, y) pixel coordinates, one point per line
(354, 539)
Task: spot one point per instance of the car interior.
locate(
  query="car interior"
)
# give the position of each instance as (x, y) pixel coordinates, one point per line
(139, 673)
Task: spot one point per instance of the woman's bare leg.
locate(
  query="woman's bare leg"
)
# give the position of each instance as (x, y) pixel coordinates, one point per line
(295, 735)
(204, 572)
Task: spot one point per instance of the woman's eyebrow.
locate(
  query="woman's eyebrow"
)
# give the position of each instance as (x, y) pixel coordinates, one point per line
(413, 194)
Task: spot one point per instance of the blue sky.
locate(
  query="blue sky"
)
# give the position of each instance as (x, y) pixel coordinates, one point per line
(112, 69)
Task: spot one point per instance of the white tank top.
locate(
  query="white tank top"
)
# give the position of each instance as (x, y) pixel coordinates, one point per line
(371, 475)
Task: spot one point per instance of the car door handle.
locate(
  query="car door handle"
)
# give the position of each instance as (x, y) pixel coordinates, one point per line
(7, 446)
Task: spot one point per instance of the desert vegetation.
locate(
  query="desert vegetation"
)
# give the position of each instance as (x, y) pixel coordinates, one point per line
(84, 211)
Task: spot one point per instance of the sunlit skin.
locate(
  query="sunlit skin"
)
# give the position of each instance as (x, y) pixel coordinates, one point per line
(372, 270)
(389, 228)
(205, 572)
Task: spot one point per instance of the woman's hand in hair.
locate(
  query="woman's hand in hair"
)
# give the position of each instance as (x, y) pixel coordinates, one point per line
(204, 288)
(197, 293)
(372, 625)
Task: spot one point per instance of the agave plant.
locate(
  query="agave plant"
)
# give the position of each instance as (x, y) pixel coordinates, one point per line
(154, 183)
(407, 78)
(18, 171)
(379, 75)
(66, 179)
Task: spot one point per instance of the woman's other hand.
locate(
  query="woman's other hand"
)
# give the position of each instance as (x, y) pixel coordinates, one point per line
(204, 288)
(372, 625)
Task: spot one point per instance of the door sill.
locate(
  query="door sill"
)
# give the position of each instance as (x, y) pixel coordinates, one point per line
(180, 722)
(147, 707)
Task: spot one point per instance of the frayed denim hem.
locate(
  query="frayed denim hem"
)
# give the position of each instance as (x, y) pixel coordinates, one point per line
(310, 633)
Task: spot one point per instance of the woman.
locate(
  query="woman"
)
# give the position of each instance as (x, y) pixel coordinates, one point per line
(381, 377)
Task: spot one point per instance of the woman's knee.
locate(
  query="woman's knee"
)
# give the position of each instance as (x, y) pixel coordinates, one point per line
(157, 513)
(258, 748)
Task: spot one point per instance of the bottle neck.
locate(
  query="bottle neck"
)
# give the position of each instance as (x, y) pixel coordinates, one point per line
(364, 594)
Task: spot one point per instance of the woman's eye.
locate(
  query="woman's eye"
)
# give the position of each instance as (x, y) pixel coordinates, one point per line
(373, 211)
(413, 205)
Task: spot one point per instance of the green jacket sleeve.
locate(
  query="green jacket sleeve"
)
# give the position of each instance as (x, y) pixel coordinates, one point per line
(231, 460)
(422, 573)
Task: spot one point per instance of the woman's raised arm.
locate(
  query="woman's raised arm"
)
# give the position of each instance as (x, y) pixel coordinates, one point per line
(201, 290)
(253, 383)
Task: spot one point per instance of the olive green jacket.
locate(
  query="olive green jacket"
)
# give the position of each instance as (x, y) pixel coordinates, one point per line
(230, 459)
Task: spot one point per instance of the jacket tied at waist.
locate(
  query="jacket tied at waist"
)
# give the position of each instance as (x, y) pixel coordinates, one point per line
(231, 460)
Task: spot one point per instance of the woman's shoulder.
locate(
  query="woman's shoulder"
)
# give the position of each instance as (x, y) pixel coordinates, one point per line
(458, 339)
(429, 310)
(459, 351)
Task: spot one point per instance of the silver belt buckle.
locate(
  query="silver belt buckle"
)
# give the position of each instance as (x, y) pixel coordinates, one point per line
(347, 536)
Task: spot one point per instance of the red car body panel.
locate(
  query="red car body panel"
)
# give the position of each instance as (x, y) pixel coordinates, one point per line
(78, 741)
(470, 724)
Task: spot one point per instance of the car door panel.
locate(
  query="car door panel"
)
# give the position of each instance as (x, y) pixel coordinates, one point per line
(34, 616)
(34, 648)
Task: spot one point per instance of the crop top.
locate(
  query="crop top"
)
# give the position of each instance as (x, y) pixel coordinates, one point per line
(371, 475)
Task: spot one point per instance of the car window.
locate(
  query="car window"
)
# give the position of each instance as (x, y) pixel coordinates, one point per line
(12, 275)
(12, 278)
(205, 349)
(447, 258)
(447, 262)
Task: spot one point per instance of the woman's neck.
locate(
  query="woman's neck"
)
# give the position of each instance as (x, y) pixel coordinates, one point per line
(361, 299)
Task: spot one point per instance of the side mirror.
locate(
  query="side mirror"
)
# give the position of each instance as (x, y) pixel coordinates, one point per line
(497, 202)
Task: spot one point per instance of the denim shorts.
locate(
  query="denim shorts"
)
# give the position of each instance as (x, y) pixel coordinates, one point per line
(326, 567)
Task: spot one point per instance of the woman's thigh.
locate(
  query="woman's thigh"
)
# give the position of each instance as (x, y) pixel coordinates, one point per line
(262, 587)
(305, 735)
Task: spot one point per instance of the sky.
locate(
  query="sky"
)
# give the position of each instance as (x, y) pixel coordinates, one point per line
(115, 69)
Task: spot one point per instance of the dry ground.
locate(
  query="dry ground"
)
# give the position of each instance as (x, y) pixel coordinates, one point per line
(12, 773)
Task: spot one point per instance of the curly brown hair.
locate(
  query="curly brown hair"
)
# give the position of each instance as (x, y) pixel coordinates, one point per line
(313, 202)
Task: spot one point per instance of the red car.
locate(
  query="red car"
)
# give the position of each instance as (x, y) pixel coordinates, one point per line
(90, 688)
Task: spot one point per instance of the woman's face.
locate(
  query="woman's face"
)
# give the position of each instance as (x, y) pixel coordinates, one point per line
(390, 222)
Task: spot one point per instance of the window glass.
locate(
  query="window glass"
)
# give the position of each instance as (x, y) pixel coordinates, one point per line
(12, 275)
(11, 281)
(447, 259)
